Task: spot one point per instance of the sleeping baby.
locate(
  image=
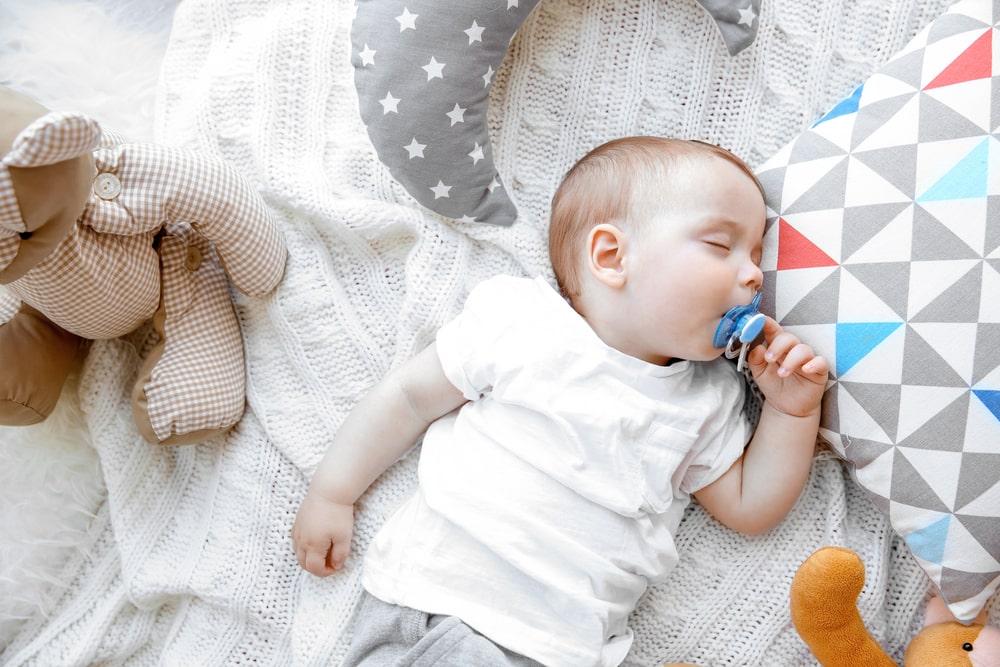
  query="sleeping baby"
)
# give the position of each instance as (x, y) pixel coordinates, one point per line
(566, 431)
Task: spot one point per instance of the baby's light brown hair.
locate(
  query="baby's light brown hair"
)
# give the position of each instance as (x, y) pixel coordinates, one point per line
(624, 182)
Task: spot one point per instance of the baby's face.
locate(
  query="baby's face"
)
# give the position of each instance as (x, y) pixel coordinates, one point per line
(698, 257)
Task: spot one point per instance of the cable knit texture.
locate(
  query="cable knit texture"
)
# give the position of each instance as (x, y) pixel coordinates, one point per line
(190, 560)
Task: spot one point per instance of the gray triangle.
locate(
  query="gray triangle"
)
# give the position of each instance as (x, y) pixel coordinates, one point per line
(992, 221)
(767, 293)
(861, 452)
(957, 585)
(932, 240)
(770, 222)
(986, 530)
(829, 412)
(923, 366)
(811, 146)
(958, 303)
(889, 281)
(819, 306)
(907, 69)
(880, 401)
(881, 502)
(861, 223)
(897, 164)
(939, 122)
(945, 431)
(825, 194)
(987, 354)
(980, 473)
(909, 487)
(952, 24)
(772, 181)
(873, 116)
(994, 102)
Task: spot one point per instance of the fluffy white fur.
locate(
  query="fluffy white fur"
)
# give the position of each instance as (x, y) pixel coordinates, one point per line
(102, 58)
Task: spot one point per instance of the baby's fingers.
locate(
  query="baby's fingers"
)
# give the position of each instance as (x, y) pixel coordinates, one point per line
(816, 366)
(796, 359)
(339, 553)
(316, 562)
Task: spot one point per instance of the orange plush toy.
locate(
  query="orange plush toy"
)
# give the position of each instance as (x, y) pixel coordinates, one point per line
(824, 610)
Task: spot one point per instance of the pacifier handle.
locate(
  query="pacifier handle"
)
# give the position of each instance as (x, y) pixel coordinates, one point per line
(741, 324)
(747, 333)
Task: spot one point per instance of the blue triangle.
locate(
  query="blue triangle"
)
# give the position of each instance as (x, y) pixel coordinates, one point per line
(991, 399)
(856, 339)
(844, 107)
(966, 180)
(928, 542)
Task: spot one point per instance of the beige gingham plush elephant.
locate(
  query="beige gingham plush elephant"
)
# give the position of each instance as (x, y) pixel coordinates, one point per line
(97, 237)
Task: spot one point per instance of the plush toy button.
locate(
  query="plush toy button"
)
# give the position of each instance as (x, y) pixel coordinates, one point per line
(107, 186)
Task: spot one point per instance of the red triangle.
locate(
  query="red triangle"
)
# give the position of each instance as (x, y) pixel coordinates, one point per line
(795, 251)
(974, 63)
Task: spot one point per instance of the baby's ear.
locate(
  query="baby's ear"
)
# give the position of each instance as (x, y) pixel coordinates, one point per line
(55, 137)
(605, 252)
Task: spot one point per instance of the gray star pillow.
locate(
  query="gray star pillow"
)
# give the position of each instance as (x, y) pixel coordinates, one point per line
(423, 70)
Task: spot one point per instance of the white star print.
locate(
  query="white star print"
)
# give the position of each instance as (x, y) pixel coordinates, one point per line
(475, 33)
(433, 69)
(511, 3)
(367, 56)
(457, 115)
(747, 16)
(415, 149)
(441, 190)
(389, 103)
(476, 154)
(486, 77)
(407, 20)
(466, 218)
(493, 184)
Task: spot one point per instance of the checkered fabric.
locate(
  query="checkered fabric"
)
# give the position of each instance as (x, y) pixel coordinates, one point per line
(885, 251)
(198, 382)
(105, 279)
(52, 138)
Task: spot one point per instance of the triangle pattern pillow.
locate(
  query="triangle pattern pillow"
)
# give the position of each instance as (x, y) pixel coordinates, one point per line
(883, 251)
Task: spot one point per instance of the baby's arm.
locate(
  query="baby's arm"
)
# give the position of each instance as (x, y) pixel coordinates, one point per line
(380, 428)
(762, 486)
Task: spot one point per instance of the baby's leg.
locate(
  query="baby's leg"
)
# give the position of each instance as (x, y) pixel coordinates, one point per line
(36, 356)
(386, 635)
(192, 385)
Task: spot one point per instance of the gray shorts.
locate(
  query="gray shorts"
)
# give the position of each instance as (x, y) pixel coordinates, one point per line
(387, 635)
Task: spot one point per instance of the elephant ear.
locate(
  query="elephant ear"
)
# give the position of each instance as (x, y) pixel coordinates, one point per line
(54, 137)
(423, 71)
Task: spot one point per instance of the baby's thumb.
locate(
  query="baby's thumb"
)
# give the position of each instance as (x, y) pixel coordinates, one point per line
(756, 360)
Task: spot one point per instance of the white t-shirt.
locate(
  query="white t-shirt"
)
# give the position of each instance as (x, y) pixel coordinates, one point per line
(547, 504)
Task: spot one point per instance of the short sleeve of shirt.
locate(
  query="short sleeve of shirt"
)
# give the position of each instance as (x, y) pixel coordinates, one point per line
(474, 346)
(724, 434)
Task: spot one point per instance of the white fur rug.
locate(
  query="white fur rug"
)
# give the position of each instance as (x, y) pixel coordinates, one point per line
(101, 57)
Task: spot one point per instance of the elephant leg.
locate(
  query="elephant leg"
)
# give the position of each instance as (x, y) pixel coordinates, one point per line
(36, 356)
(192, 386)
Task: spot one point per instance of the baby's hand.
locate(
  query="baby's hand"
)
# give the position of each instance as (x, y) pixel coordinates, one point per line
(787, 371)
(322, 534)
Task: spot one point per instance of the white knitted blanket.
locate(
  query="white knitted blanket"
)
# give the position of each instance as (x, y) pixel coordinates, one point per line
(190, 559)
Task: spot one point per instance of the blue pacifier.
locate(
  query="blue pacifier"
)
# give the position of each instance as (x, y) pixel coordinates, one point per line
(741, 325)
